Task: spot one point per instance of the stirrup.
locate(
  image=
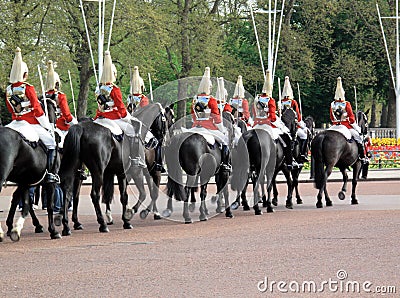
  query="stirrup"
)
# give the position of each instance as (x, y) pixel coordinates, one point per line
(138, 162)
(293, 165)
(160, 168)
(226, 167)
(303, 158)
(52, 178)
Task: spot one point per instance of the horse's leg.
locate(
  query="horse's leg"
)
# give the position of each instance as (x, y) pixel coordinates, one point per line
(95, 195)
(324, 190)
(35, 220)
(122, 185)
(256, 183)
(245, 204)
(50, 192)
(16, 197)
(192, 205)
(289, 182)
(203, 195)
(15, 233)
(342, 193)
(295, 180)
(356, 171)
(77, 184)
(275, 192)
(268, 200)
(168, 211)
(154, 191)
(222, 188)
(137, 176)
(189, 183)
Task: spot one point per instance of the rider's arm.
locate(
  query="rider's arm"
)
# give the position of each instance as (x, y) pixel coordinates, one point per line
(31, 94)
(296, 108)
(215, 115)
(350, 113)
(116, 95)
(65, 111)
(271, 110)
(245, 106)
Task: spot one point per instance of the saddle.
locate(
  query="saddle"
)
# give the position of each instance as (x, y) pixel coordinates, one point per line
(25, 129)
(343, 130)
(204, 133)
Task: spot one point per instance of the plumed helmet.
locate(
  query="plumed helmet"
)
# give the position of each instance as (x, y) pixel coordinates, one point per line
(267, 88)
(108, 75)
(287, 89)
(137, 82)
(221, 94)
(52, 78)
(239, 89)
(339, 93)
(205, 83)
(19, 68)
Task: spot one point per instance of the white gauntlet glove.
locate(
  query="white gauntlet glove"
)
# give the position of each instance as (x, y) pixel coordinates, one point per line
(302, 124)
(356, 127)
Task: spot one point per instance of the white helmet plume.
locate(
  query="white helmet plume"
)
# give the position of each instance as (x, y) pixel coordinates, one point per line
(108, 75)
(18, 69)
(267, 88)
(52, 77)
(287, 89)
(221, 94)
(239, 89)
(339, 93)
(205, 83)
(137, 82)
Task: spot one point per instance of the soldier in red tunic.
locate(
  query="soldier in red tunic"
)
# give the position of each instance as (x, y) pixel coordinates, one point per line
(239, 104)
(136, 98)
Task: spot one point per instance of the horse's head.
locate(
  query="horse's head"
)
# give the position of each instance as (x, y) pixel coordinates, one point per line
(229, 122)
(362, 121)
(289, 119)
(169, 115)
(51, 108)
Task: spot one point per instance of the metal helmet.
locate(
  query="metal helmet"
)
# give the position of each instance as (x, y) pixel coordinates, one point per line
(339, 93)
(108, 74)
(239, 89)
(205, 83)
(137, 81)
(267, 88)
(19, 68)
(287, 89)
(52, 78)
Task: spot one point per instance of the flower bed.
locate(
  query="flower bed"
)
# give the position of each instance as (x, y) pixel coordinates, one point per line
(385, 153)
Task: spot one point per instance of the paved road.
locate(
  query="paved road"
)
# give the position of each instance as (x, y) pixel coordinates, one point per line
(221, 257)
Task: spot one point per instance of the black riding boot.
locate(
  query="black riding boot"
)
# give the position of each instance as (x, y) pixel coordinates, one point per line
(225, 159)
(51, 177)
(303, 151)
(137, 153)
(287, 151)
(361, 152)
(159, 161)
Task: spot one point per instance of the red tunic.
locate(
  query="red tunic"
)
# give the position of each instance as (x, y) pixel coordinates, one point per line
(65, 113)
(271, 114)
(118, 111)
(36, 111)
(144, 100)
(215, 117)
(350, 116)
(294, 105)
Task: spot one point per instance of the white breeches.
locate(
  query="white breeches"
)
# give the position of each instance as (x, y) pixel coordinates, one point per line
(355, 135)
(44, 136)
(219, 136)
(302, 133)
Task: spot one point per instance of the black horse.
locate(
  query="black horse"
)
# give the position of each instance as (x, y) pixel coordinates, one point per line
(330, 149)
(294, 173)
(254, 157)
(105, 156)
(200, 161)
(24, 163)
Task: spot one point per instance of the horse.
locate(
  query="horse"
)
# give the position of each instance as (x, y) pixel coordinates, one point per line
(330, 149)
(295, 172)
(254, 153)
(158, 120)
(190, 152)
(106, 156)
(24, 163)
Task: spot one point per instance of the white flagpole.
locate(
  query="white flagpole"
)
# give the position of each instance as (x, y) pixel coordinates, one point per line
(298, 90)
(258, 42)
(111, 25)
(72, 92)
(280, 97)
(43, 92)
(151, 87)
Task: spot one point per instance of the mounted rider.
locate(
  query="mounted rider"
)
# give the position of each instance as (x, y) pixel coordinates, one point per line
(23, 104)
(288, 102)
(111, 110)
(341, 113)
(136, 98)
(264, 113)
(239, 104)
(207, 118)
(63, 113)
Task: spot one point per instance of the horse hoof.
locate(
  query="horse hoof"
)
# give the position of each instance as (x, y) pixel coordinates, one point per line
(246, 208)
(110, 223)
(203, 218)
(144, 213)
(289, 206)
(270, 210)
(57, 220)
(15, 236)
(299, 201)
(192, 206)
(354, 202)
(329, 204)
(55, 235)
(188, 221)
(157, 216)
(78, 226)
(127, 226)
(128, 215)
(166, 213)
(66, 232)
(341, 195)
(1, 237)
(39, 229)
(103, 229)
(274, 202)
(258, 212)
(229, 215)
(319, 205)
(235, 206)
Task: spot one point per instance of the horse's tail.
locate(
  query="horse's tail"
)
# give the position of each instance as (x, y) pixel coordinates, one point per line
(317, 154)
(72, 148)
(175, 180)
(240, 164)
